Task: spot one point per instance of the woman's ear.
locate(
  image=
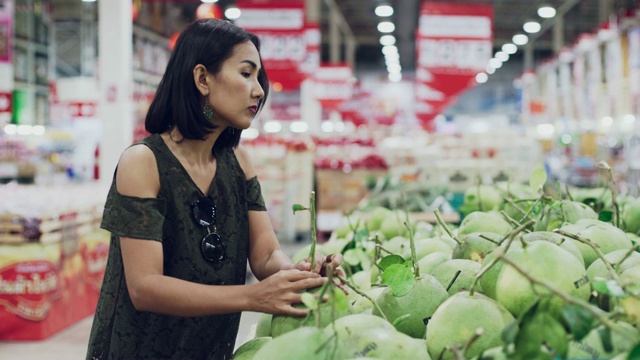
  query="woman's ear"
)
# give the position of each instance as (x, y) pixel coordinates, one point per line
(200, 79)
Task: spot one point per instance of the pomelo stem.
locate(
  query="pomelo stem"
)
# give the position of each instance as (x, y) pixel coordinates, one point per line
(455, 277)
(357, 291)
(595, 248)
(483, 236)
(314, 235)
(633, 249)
(412, 243)
(509, 219)
(612, 186)
(519, 208)
(597, 313)
(444, 226)
(499, 252)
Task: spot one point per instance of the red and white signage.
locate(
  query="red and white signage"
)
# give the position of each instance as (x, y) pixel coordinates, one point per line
(333, 84)
(453, 44)
(6, 31)
(289, 48)
(5, 102)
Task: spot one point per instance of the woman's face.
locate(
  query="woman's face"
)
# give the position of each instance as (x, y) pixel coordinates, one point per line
(234, 91)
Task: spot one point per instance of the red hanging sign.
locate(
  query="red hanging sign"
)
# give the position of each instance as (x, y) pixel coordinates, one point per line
(5, 102)
(333, 84)
(453, 45)
(280, 25)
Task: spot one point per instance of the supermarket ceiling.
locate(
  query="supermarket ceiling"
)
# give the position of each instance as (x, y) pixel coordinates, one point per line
(584, 16)
(509, 16)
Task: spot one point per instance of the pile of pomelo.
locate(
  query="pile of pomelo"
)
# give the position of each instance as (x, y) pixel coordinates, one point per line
(535, 276)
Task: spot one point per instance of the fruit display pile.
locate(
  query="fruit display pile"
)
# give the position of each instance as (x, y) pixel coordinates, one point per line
(527, 274)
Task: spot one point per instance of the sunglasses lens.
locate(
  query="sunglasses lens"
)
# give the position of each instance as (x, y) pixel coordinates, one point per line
(204, 212)
(212, 247)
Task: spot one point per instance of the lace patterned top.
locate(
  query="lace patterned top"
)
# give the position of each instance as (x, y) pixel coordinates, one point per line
(120, 331)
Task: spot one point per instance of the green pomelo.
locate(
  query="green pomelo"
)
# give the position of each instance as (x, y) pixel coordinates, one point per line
(475, 246)
(458, 318)
(599, 270)
(396, 245)
(263, 328)
(557, 239)
(420, 303)
(309, 343)
(606, 236)
(446, 271)
(489, 279)
(281, 324)
(362, 279)
(429, 262)
(303, 252)
(393, 225)
(482, 198)
(630, 279)
(383, 343)
(590, 347)
(565, 211)
(356, 323)
(484, 222)
(248, 350)
(631, 216)
(546, 261)
(377, 216)
(425, 247)
(363, 305)
(333, 246)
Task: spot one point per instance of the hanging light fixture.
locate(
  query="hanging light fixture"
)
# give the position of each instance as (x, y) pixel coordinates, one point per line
(383, 10)
(509, 48)
(546, 11)
(520, 39)
(531, 27)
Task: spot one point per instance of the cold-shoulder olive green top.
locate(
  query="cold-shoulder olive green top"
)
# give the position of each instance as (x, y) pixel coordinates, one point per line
(120, 331)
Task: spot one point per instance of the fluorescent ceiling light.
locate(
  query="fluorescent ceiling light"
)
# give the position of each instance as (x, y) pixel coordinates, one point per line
(387, 40)
(389, 49)
(298, 127)
(209, 1)
(232, 13)
(386, 27)
(546, 12)
(509, 48)
(482, 78)
(502, 56)
(495, 63)
(395, 77)
(490, 69)
(384, 10)
(272, 127)
(531, 27)
(520, 39)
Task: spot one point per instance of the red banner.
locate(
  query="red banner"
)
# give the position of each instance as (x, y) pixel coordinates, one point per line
(5, 102)
(333, 84)
(6, 31)
(289, 46)
(453, 44)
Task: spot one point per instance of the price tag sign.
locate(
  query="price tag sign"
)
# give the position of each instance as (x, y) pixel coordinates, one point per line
(454, 44)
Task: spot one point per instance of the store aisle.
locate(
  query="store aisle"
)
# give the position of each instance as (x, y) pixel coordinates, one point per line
(71, 343)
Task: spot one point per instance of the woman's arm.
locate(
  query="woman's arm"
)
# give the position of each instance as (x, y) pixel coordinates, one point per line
(150, 290)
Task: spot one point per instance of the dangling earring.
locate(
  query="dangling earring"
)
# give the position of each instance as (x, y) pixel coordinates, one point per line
(207, 111)
(233, 131)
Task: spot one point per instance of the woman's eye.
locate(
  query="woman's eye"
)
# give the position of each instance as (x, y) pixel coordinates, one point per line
(246, 74)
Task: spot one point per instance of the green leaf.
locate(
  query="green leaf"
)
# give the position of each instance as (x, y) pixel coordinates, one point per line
(399, 319)
(541, 336)
(510, 332)
(390, 273)
(634, 354)
(361, 235)
(537, 179)
(309, 301)
(341, 303)
(298, 207)
(390, 260)
(403, 282)
(351, 257)
(605, 215)
(605, 337)
(608, 287)
(579, 320)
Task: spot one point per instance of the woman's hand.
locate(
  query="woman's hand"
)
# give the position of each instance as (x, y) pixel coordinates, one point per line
(277, 293)
(321, 265)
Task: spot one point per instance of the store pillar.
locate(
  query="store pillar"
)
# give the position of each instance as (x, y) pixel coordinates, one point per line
(115, 78)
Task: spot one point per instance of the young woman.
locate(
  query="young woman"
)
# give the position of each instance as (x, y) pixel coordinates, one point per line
(186, 213)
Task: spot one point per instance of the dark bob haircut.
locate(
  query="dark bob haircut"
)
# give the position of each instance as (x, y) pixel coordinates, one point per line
(177, 101)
